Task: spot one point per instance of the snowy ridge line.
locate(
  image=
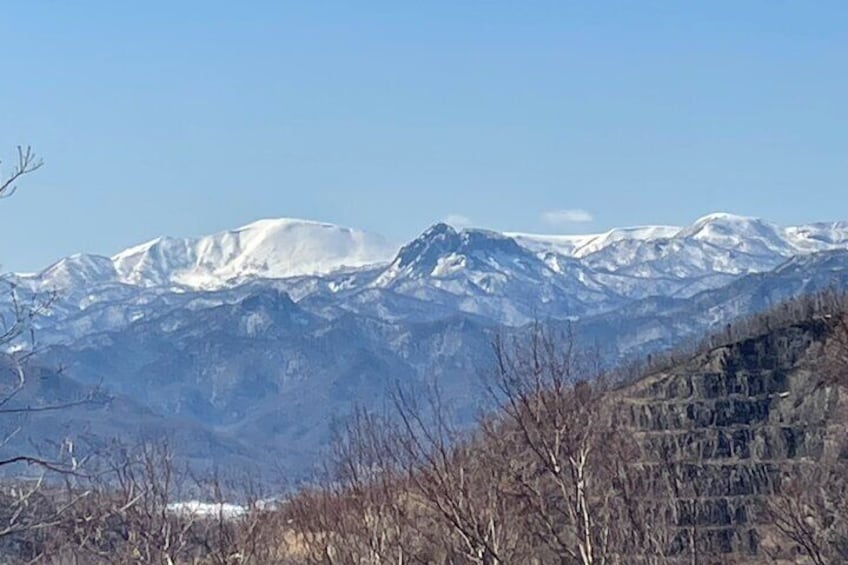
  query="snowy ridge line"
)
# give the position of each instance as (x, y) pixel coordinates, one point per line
(274, 248)
(729, 229)
(716, 244)
(331, 271)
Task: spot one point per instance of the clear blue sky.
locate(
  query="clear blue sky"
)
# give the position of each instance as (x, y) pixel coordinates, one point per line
(185, 118)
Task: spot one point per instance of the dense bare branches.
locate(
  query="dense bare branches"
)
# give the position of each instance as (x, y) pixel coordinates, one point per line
(810, 514)
(358, 514)
(459, 479)
(545, 479)
(27, 505)
(137, 509)
(573, 474)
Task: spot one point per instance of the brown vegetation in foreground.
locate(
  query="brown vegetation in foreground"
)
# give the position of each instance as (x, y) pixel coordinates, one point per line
(556, 474)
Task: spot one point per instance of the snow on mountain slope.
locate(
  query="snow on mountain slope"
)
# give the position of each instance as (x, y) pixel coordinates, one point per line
(751, 236)
(583, 245)
(268, 249)
(508, 277)
(271, 249)
(77, 270)
(718, 243)
(819, 236)
(441, 252)
(573, 275)
(487, 273)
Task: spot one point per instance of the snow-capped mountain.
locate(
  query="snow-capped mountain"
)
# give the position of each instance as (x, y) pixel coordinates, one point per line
(273, 249)
(717, 244)
(259, 337)
(719, 229)
(508, 277)
(488, 273)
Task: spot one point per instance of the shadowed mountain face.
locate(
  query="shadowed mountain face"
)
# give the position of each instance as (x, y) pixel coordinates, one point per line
(53, 412)
(271, 374)
(263, 361)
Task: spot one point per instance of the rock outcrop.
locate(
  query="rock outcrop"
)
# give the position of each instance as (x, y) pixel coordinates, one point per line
(726, 427)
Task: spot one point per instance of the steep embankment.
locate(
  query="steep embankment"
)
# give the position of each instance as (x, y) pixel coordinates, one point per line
(730, 423)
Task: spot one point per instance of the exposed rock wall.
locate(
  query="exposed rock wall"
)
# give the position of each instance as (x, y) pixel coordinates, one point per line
(724, 427)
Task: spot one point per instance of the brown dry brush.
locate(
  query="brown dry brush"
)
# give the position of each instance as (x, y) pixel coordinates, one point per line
(567, 449)
(125, 513)
(356, 514)
(457, 480)
(548, 478)
(578, 481)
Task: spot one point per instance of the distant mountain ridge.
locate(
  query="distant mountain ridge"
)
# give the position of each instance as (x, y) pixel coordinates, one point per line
(277, 248)
(719, 229)
(285, 248)
(510, 277)
(260, 337)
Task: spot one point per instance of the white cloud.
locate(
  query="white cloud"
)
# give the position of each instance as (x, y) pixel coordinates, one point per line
(559, 218)
(458, 220)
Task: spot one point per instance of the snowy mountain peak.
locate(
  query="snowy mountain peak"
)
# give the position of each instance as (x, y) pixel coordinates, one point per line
(284, 223)
(508, 277)
(271, 248)
(438, 229)
(479, 268)
(75, 270)
(726, 223)
(441, 244)
(725, 217)
(744, 234)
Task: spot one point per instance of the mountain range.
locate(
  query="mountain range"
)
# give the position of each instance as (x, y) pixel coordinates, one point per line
(249, 343)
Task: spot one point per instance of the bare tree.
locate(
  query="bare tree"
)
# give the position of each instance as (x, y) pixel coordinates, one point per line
(810, 513)
(31, 504)
(553, 402)
(411, 489)
(27, 162)
(13, 325)
(460, 481)
(357, 513)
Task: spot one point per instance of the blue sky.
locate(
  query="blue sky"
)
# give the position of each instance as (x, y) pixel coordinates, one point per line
(185, 118)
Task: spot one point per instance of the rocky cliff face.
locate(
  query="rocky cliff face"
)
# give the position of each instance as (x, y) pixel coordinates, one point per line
(726, 426)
